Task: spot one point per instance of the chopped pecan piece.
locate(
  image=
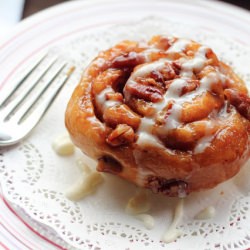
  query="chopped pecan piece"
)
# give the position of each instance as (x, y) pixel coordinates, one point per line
(240, 101)
(212, 57)
(121, 114)
(177, 67)
(114, 97)
(147, 93)
(105, 79)
(122, 134)
(150, 82)
(191, 85)
(168, 72)
(160, 42)
(141, 107)
(157, 76)
(164, 43)
(129, 60)
(163, 115)
(167, 84)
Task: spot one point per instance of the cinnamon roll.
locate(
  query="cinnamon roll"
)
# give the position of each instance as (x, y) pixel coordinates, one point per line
(165, 114)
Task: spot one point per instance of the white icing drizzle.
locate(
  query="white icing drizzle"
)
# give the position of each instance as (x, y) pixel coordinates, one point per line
(206, 213)
(175, 88)
(174, 91)
(211, 78)
(147, 53)
(84, 186)
(63, 145)
(173, 120)
(196, 63)
(139, 203)
(145, 69)
(83, 166)
(102, 101)
(146, 124)
(179, 46)
(202, 144)
(147, 220)
(172, 232)
(145, 136)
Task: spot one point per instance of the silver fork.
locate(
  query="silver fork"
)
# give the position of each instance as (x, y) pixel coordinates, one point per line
(21, 110)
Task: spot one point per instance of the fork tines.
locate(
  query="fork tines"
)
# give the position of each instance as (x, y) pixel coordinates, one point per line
(36, 90)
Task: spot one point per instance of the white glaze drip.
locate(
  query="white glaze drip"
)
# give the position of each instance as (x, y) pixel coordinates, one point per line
(179, 46)
(213, 77)
(202, 144)
(174, 93)
(206, 213)
(139, 203)
(147, 220)
(145, 69)
(145, 136)
(102, 101)
(147, 53)
(172, 232)
(84, 186)
(173, 120)
(175, 90)
(196, 63)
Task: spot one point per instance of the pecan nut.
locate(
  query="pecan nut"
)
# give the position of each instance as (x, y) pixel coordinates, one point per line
(147, 93)
(240, 101)
(122, 134)
(129, 60)
(121, 114)
(190, 86)
(168, 72)
(112, 96)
